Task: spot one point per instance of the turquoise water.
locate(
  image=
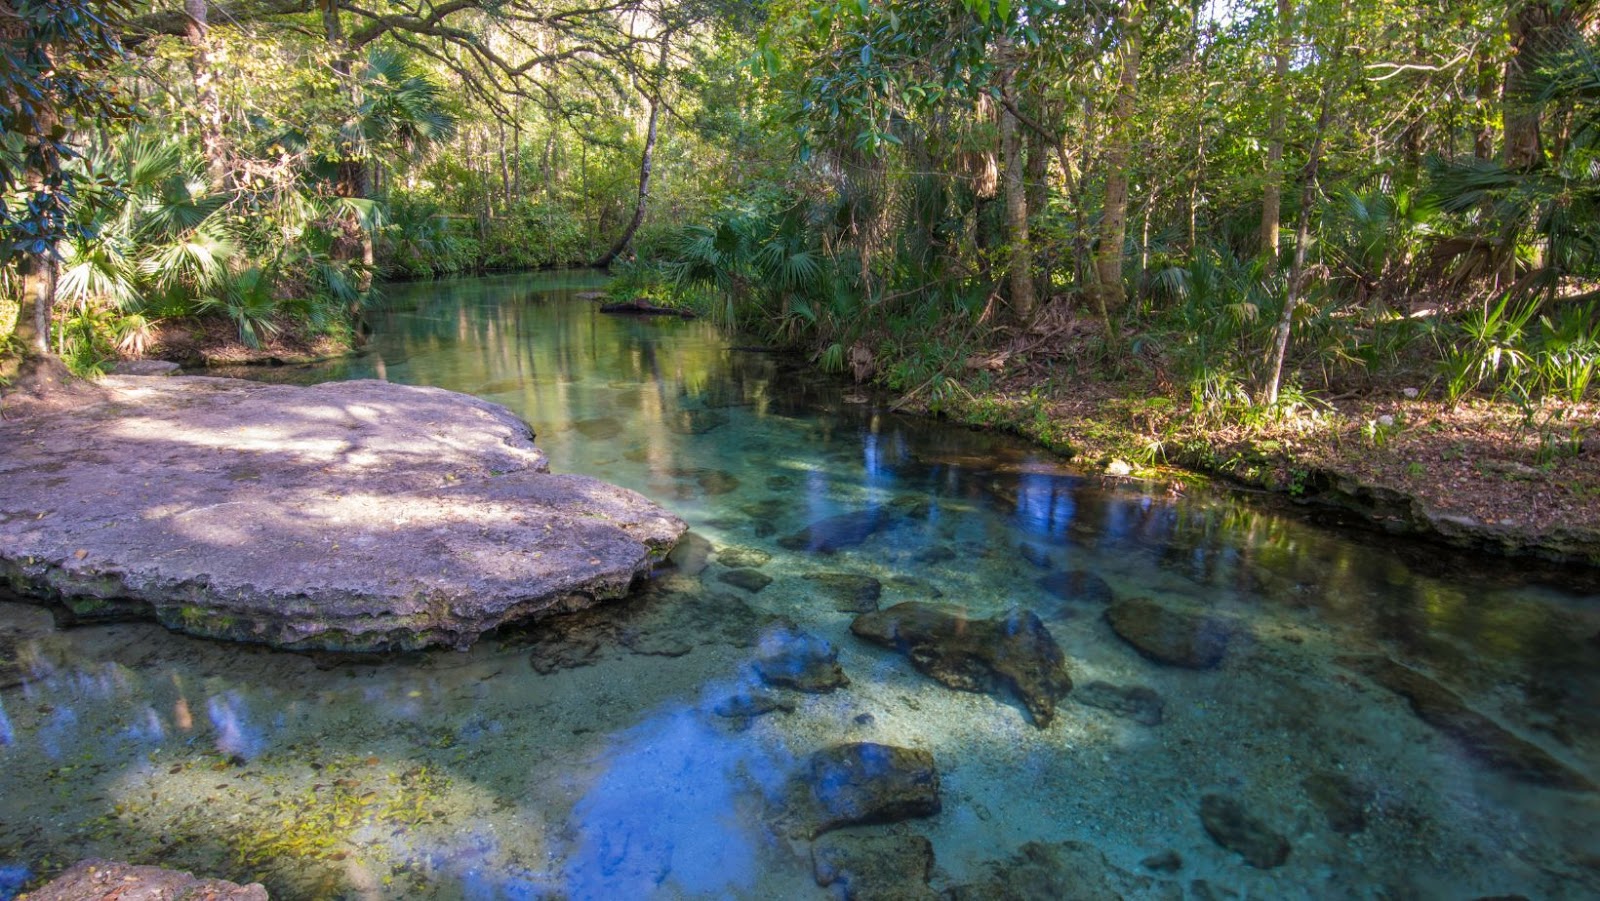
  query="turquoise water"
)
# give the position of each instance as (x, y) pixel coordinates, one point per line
(585, 757)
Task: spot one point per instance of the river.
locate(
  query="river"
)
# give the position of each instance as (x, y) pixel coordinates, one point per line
(586, 758)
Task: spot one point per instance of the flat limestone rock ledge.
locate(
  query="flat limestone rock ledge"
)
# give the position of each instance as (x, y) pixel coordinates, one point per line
(352, 516)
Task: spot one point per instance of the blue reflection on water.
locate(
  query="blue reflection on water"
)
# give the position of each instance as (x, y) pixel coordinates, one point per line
(666, 810)
(235, 735)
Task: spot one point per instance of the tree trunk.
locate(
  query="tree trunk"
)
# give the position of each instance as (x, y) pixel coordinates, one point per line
(1114, 220)
(1020, 266)
(1272, 194)
(1302, 231)
(213, 141)
(1529, 22)
(645, 164)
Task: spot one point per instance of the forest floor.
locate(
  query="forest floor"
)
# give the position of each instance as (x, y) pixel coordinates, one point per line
(215, 342)
(1484, 473)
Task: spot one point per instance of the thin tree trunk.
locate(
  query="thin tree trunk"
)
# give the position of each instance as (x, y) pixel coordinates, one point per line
(1114, 219)
(505, 167)
(1038, 195)
(1020, 265)
(645, 164)
(213, 141)
(1302, 231)
(1272, 194)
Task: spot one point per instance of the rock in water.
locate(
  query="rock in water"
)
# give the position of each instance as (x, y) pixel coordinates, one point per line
(1342, 802)
(1232, 827)
(751, 580)
(351, 516)
(1478, 735)
(105, 879)
(790, 658)
(1072, 871)
(836, 533)
(1012, 651)
(868, 867)
(1172, 635)
(1078, 585)
(739, 557)
(744, 706)
(861, 782)
(1136, 702)
(851, 592)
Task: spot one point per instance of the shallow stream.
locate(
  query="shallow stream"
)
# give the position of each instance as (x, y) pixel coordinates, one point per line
(587, 758)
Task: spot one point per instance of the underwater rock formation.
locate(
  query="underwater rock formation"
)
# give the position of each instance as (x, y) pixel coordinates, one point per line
(1234, 828)
(1062, 870)
(1478, 735)
(1173, 635)
(874, 867)
(1135, 702)
(850, 592)
(860, 782)
(1012, 651)
(790, 658)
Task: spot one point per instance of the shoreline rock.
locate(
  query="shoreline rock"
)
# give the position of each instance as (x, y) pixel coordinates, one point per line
(347, 516)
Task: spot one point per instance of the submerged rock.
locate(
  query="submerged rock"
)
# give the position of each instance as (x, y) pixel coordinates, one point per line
(836, 533)
(744, 706)
(1012, 651)
(791, 658)
(1064, 870)
(1173, 635)
(1342, 801)
(1232, 827)
(1033, 553)
(860, 782)
(1168, 861)
(874, 867)
(659, 622)
(1078, 586)
(751, 580)
(1478, 735)
(692, 554)
(739, 557)
(352, 516)
(850, 592)
(1136, 702)
(106, 879)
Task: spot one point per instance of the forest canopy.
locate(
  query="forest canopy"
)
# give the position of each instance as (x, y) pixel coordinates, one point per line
(1243, 198)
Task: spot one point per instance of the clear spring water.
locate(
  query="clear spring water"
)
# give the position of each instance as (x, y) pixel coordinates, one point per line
(603, 772)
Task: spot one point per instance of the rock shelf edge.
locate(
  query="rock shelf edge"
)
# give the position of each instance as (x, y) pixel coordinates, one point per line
(347, 516)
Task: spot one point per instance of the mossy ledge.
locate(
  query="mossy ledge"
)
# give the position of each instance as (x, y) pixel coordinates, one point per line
(350, 516)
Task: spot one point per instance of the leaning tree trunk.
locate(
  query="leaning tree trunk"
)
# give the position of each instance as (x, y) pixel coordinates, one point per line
(1272, 194)
(1114, 219)
(645, 163)
(1302, 231)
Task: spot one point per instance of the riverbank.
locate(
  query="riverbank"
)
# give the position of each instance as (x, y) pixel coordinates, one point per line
(1485, 474)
